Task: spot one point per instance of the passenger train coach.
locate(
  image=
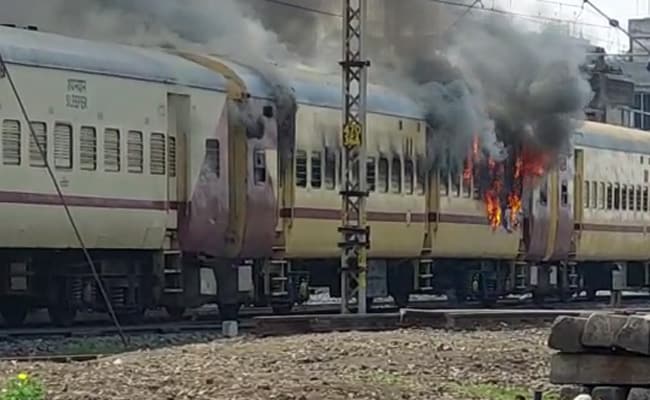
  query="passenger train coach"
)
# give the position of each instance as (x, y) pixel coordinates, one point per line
(181, 203)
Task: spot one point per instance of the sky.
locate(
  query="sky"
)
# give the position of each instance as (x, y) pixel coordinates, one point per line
(588, 23)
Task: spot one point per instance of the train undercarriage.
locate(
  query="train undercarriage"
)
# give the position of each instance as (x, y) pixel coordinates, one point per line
(134, 281)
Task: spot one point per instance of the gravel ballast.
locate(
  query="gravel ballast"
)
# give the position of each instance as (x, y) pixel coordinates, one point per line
(406, 364)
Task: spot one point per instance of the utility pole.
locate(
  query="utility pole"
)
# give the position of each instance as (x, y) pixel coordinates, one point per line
(355, 233)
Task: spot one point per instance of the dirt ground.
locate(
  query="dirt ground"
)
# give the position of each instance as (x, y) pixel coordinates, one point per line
(407, 364)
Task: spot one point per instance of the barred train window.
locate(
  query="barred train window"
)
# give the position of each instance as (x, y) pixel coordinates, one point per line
(594, 195)
(134, 150)
(371, 174)
(330, 169)
(601, 196)
(396, 175)
(35, 157)
(157, 159)
(383, 175)
(585, 195)
(11, 142)
(259, 167)
(301, 168)
(444, 182)
(624, 197)
(88, 148)
(212, 156)
(638, 198)
(408, 176)
(630, 197)
(455, 184)
(171, 156)
(564, 193)
(610, 196)
(111, 150)
(316, 169)
(617, 196)
(420, 176)
(645, 198)
(62, 146)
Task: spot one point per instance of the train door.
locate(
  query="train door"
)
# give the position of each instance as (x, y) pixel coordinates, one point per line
(178, 127)
(551, 215)
(579, 192)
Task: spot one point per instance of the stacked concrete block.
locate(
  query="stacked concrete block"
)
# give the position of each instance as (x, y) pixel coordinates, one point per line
(607, 353)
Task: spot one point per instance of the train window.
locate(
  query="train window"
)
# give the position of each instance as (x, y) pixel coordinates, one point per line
(408, 176)
(111, 150)
(601, 195)
(371, 174)
(645, 176)
(259, 167)
(330, 169)
(630, 197)
(316, 169)
(585, 195)
(383, 175)
(88, 148)
(134, 151)
(543, 193)
(617, 196)
(564, 193)
(301, 168)
(171, 156)
(624, 197)
(212, 156)
(610, 196)
(594, 195)
(645, 198)
(62, 146)
(467, 186)
(157, 149)
(420, 175)
(35, 157)
(396, 175)
(444, 182)
(455, 185)
(638, 198)
(11, 142)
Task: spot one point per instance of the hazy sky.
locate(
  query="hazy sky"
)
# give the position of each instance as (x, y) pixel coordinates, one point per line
(588, 23)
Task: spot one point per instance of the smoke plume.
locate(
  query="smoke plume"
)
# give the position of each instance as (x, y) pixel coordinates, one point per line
(480, 75)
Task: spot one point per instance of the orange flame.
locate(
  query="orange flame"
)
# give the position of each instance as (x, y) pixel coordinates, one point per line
(492, 202)
(472, 158)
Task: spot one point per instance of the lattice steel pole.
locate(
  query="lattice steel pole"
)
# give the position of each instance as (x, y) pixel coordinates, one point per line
(354, 230)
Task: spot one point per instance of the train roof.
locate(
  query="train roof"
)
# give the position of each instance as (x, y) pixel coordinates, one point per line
(612, 137)
(47, 50)
(312, 87)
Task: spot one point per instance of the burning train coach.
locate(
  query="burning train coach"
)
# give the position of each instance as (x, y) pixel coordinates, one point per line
(183, 202)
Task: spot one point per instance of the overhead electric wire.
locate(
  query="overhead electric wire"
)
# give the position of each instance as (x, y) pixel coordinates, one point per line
(615, 24)
(305, 8)
(61, 196)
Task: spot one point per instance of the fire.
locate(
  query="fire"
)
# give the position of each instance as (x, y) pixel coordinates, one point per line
(492, 196)
(472, 159)
(514, 204)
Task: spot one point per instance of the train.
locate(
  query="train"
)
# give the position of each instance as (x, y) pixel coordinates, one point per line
(182, 202)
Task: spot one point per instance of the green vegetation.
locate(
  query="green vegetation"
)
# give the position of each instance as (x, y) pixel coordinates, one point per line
(22, 388)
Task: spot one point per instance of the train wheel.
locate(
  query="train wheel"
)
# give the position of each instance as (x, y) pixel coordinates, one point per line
(63, 316)
(14, 312)
(175, 312)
